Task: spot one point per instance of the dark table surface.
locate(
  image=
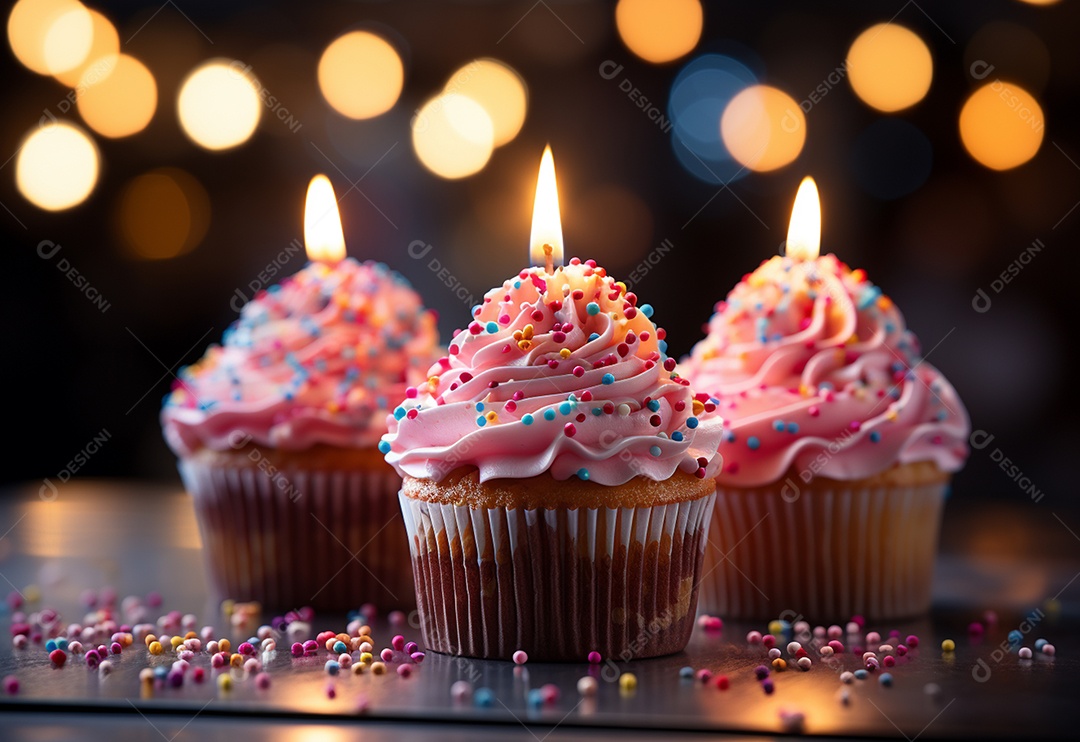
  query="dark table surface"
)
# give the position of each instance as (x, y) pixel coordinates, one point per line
(1020, 562)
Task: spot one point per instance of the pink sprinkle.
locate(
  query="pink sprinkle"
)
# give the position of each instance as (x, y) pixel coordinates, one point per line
(901, 650)
(855, 425)
(570, 429)
(410, 393)
(754, 637)
(262, 681)
(411, 648)
(417, 657)
(889, 660)
(331, 691)
(520, 658)
(217, 661)
(912, 641)
(549, 693)
(398, 642)
(768, 641)
(594, 658)
(11, 685)
(579, 371)
(504, 319)
(387, 655)
(837, 646)
(404, 670)
(198, 674)
(1049, 650)
(704, 676)
(975, 628)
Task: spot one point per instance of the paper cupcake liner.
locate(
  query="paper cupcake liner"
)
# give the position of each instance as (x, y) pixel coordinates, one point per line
(556, 583)
(824, 554)
(329, 539)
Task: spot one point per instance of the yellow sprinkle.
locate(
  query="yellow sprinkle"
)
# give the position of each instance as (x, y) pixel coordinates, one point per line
(237, 660)
(628, 681)
(149, 638)
(698, 406)
(224, 645)
(333, 406)
(565, 352)
(176, 641)
(366, 657)
(227, 607)
(224, 682)
(32, 593)
(524, 344)
(190, 635)
(492, 416)
(358, 668)
(433, 382)
(527, 331)
(378, 668)
(621, 287)
(948, 645)
(155, 648)
(779, 664)
(891, 415)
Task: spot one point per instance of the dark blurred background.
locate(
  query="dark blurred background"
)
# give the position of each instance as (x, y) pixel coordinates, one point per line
(171, 231)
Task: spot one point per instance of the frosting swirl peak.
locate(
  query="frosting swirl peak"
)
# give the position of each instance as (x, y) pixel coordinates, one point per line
(559, 372)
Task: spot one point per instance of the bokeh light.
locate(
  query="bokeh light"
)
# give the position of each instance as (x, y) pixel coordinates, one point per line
(499, 89)
(659, 30)
(163, 214)
(118, 102)
(453, 136)
(29, 25)
(892, 158)
(889, 67)
(361, 75)
(763, 128)
(104, 48)
(1001, 125)
(219, 104)
(68, 40)
(57, 166)
(699, 95)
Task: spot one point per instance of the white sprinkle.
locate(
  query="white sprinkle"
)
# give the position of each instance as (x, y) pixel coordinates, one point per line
(847, 678)
(774, 653)
(1024, 653)
(804, 663)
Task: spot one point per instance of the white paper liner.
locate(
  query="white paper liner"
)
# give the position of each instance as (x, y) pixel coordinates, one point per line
(557, 583)
(264, 537)
(825, 555)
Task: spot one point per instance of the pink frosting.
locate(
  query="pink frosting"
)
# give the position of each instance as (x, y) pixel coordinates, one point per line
(559, 372)
(815, 372)
(317, 359)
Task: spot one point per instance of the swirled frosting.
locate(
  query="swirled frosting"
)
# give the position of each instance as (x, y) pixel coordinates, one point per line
(816, 373)
(319, 358)
(561, 373)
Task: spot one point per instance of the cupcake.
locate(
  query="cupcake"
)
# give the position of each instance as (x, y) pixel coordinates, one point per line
(277, 430)
(839, 443)
(557, 479)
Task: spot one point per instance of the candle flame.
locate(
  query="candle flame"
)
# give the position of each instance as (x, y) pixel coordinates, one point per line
(804, 230)
(323, 238)
(546, 221)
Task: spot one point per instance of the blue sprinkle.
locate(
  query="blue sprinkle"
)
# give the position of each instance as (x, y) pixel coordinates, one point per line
(479, 406)
(778, 426)
(491, 327)
(677, 436)
(691, 422)
(593, 336)
(729, 436)
(941, 415)
(597, 411)
(861, 674)
(793, 427)
(592, 308)
(869, 297)
(399, 413)
(662, 345)
(50, 645)
(535, 698)
(875, 436)
(686, 673)
(753, 443)
(583, 473)
(565, 408)
(481, 421)
(62, 643)
(161, 671)
(517, 284)
(607, 379)
(527, 419)
(483, 698)
(384, 447)
(339, 647)
(549, 414)
(332, 667)
(654, 405)
(885, 679)
(476, 310)
(654, 450)
(646, 309)
(1039, 644)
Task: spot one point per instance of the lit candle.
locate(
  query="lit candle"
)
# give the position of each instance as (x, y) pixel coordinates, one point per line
(323, 238)
(804, 229)
(545, 239)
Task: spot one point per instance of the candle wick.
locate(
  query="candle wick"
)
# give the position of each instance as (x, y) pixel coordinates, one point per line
(549, 259)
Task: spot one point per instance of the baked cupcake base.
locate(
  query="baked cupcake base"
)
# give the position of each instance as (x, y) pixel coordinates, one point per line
(319, 527)
(557, 569)
(826, 549)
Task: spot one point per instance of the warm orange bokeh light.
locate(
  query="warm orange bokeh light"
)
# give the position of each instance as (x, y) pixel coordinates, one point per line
(121, 102)
(763, 128)
(1001, 125)
(361, 75)
(889, 67)
(659, 30)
